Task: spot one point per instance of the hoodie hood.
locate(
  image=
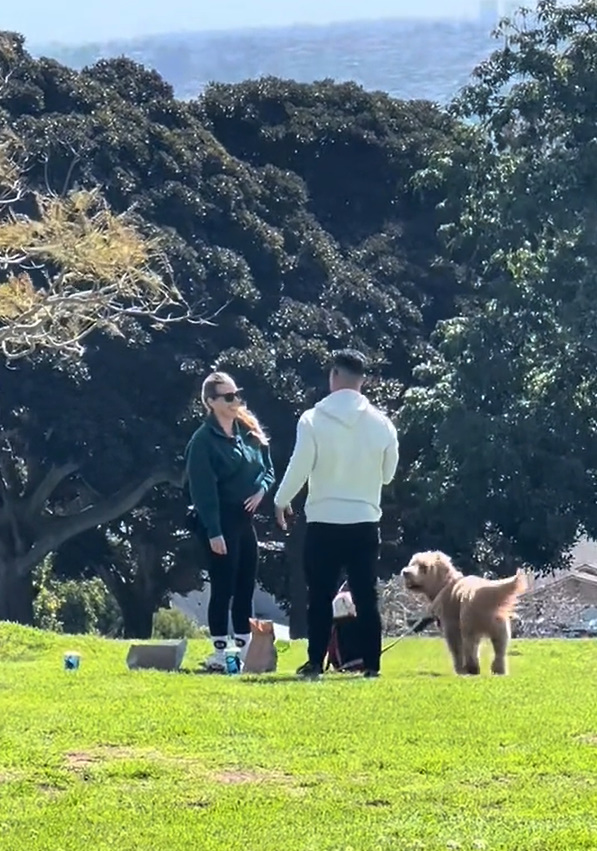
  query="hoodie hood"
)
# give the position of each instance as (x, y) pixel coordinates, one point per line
(344, 406)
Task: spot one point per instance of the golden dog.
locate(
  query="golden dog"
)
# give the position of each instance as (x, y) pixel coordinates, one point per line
(468, 608)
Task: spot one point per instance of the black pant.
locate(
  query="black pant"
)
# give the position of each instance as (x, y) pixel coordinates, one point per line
(329, 549)
(232, 576)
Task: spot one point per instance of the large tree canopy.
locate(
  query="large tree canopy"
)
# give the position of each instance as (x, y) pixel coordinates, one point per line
(249, 239)
(457, 253)
(375, 276)
(505, 411)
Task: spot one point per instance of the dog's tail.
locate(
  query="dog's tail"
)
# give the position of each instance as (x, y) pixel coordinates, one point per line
(506, 592)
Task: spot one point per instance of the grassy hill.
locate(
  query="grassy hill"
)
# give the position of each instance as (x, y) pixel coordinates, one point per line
(104, 758)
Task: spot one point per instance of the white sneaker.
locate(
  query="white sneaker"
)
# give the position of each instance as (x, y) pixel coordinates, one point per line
(216, 663)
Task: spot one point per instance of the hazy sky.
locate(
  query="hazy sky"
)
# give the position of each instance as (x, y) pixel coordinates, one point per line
(87, 20)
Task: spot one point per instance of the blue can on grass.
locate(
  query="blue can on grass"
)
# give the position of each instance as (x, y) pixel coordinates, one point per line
(72, 661)
(232, 663)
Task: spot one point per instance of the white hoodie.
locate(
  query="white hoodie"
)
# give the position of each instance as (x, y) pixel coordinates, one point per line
(346, 449)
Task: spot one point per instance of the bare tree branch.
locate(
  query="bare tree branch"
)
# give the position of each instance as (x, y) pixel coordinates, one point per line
(9, 471)
(44, 490)
(99, 270)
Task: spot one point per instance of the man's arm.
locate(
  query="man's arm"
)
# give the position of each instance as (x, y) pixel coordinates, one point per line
(300, 465)
(390, 457)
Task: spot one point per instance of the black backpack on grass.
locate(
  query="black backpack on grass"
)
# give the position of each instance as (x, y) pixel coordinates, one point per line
(344, 651)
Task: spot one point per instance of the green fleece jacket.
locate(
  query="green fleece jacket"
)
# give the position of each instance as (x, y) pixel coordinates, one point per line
(222, 472)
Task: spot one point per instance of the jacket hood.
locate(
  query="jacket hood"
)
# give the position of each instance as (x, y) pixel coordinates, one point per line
(344, 406)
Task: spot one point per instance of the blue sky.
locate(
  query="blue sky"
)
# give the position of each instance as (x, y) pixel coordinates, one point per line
(87, 20)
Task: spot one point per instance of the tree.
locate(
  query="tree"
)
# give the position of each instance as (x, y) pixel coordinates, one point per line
(141, 557)
(383, 280)
(73, 268)
(284, 280)
(76, 272)
(502, 419)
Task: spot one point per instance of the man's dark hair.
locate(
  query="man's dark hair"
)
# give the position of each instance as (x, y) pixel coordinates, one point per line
(351, 361)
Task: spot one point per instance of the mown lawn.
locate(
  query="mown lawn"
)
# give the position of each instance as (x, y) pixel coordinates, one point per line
(104, 758)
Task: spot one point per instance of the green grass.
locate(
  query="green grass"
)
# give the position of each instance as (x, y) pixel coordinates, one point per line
(104, 758)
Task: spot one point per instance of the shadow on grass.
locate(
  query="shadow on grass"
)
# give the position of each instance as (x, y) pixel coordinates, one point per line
(274, 679)
(278, 679)
(333, 678)
(247, 678)
(201, 672)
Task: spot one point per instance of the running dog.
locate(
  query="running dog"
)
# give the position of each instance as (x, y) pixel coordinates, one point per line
(468, 608)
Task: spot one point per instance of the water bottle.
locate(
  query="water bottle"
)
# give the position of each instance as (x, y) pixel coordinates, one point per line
(232, 663)
(72, 661)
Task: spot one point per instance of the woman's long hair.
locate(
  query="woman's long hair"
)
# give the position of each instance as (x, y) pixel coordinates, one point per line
(243, 414)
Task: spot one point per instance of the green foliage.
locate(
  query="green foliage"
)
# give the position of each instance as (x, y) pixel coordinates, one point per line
(170, 623)
(306, 235)
(322, 132)
(501, 426)
(139, 557)
(74, 606)
(457, 254)
(382, 281)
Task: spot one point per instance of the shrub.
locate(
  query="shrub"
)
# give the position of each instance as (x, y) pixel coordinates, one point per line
(171, 623)
(74, 606)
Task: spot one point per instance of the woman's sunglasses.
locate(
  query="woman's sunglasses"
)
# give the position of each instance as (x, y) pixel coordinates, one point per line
(228, 397)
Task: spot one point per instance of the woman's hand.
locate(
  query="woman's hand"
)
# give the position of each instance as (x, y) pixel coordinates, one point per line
(252, 503)
(218, 545)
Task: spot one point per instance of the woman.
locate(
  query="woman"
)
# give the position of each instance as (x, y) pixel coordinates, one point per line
(229, 471)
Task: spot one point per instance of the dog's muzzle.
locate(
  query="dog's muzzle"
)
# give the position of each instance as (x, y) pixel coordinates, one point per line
(410, 581)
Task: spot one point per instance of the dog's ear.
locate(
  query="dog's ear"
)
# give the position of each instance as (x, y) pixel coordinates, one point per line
(441, 560)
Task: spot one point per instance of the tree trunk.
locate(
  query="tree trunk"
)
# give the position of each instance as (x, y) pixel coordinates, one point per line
(137, 603)
(137, 618)
(16, 596)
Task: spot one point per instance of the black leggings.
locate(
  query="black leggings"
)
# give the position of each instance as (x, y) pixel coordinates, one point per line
(232, 577)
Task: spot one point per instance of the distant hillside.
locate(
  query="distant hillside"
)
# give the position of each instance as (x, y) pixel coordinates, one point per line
(408, 59)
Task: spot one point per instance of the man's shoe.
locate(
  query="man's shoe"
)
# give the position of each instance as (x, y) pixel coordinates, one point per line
(369, 674)
(309, 671)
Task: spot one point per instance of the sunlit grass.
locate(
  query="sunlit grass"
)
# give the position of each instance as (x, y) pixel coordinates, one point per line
(103, 758)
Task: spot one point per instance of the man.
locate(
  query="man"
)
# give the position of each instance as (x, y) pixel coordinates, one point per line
(346, 449)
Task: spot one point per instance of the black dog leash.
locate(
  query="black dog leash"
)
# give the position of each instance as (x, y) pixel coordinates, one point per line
(420, 625)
